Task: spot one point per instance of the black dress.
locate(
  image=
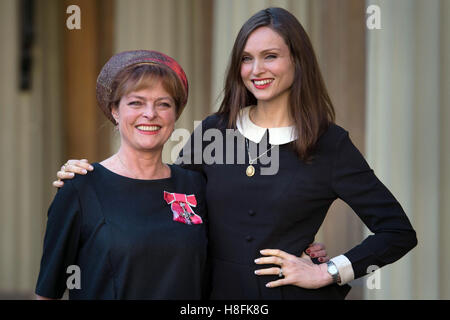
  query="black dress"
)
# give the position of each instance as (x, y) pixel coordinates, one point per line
(285, 211)
(121, 233)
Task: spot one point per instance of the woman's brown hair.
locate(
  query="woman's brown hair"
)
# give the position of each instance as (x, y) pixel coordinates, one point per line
(309, 103)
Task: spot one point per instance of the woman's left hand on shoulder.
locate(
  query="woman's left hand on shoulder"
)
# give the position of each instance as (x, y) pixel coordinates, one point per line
(293, 270)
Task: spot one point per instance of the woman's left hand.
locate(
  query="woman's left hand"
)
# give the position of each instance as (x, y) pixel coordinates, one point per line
(293, 270)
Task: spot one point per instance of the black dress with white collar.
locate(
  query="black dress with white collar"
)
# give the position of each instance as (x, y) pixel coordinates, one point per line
(285, 210)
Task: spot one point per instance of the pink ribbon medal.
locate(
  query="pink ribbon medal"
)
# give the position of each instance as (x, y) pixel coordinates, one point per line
(181, 206)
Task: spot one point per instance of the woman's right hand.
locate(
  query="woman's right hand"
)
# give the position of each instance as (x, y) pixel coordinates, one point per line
(70, 168)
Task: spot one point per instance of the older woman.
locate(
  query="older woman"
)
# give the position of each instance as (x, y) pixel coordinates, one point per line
(134, 226)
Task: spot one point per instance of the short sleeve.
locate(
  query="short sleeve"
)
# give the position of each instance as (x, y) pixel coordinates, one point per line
(60, 242)
(354, 182)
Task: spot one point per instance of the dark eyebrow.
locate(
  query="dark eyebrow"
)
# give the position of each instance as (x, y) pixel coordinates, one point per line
(271, 49)
(264, 51)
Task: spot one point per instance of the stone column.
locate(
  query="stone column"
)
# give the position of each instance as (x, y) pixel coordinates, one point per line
(30, 143)
(408, 137)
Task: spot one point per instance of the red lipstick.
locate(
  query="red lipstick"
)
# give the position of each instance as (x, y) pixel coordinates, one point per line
(262, 83)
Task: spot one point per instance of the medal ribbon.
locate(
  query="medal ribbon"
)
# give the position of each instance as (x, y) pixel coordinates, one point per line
(181, 206)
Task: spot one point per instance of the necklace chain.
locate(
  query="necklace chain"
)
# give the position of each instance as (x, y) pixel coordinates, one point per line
(124, 166)
(252, 161)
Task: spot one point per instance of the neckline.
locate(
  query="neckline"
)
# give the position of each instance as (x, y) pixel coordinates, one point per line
(253, 132)
(247, 115)
(112, 173)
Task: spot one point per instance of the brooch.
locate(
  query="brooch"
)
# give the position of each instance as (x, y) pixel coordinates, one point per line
(181, 205)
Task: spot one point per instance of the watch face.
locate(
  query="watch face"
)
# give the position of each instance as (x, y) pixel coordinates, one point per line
(332, 269)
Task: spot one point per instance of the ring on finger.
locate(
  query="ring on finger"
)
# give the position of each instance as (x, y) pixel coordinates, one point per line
(280, 274)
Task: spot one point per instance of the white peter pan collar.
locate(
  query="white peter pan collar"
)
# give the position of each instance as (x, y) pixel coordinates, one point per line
(252, 132)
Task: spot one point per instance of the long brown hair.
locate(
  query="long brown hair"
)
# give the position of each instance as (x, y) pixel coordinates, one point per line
(309, 102)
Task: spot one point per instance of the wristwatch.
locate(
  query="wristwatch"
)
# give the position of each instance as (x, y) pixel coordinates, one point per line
(333, 271)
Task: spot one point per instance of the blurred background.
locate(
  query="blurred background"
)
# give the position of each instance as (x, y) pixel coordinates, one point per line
(390, 86)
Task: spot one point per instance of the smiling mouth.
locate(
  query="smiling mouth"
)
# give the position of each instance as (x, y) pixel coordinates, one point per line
(149, 129)
(262, 84)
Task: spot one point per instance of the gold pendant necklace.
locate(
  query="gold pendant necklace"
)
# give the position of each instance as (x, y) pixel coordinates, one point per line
(250, 171)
